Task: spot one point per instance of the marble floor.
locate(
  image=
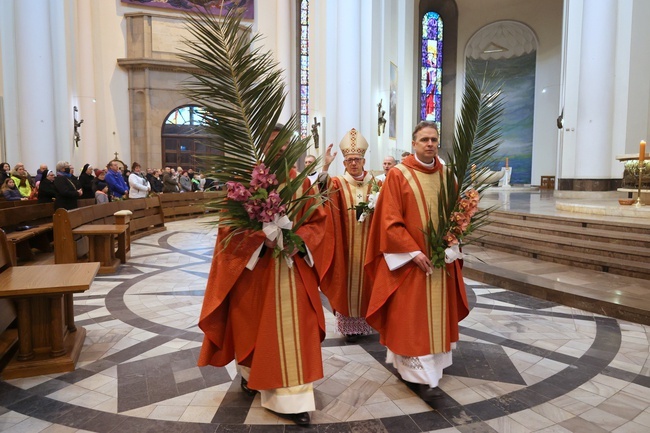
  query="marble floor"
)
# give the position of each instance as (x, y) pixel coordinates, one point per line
(522, 365)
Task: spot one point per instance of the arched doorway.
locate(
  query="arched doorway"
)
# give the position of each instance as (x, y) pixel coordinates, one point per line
(184, 139)
(505, 52)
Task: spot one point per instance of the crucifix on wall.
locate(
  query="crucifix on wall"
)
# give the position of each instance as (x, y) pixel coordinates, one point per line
(314, 132)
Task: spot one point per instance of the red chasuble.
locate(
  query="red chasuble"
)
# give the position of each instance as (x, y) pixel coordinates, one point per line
(415, 315)
(271, 318)
(343, 284)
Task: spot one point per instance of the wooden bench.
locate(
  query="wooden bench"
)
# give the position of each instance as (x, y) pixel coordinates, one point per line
(147, 216)
(178, 206)
(47, 338)
(27, 227)
(108, 235)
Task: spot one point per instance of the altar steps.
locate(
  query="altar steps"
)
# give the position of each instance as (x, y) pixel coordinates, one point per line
(590, 264)
(621, 248)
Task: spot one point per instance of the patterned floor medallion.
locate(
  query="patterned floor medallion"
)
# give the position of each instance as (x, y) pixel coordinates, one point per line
(522, 365)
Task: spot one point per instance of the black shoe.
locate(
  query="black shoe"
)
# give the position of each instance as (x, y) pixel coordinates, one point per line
(301, 418)
(429, 394)
(246, 389)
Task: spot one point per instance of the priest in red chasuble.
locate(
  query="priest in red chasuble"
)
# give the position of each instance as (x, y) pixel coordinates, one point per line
(414, 306)
(265, 312)
(350, 197)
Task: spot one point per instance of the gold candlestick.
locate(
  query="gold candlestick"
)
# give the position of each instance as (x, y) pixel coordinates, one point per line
(638, 202)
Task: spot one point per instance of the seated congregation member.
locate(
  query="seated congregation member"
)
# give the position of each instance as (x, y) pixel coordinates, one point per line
(101, 193)
(74, 178)
(86, 181)
(156, 182)
(185, 182)
(344, 283)
(67, 193)
(170, 184)
(415, 306)
(41, 173)
(10, 192)
(196, 182)
(22, 179)
(46, 190)
(268, 316)
(5, 172)
(139, 185)
(116, 184)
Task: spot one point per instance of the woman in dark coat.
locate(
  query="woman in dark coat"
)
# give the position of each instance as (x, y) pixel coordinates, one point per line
(46, 190)
(86, 181)
(5, 172)
(66, 191)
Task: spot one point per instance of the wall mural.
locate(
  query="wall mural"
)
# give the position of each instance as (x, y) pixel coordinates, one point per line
(216, 7)
(517, 75)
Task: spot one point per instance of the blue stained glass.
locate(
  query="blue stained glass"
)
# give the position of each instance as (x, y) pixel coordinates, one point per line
(431, 68)
(304, 68)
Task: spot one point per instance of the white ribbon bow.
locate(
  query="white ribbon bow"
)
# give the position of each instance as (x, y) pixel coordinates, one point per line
(273, 229)
(453, 253)
(372, 199)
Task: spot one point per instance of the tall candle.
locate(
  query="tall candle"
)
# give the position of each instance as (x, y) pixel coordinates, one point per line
(641, 152)
(506, 162)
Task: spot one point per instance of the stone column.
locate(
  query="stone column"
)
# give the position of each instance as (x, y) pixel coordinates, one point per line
(596, 90)
(286, 53)
(85, 94)
(589, 85)
(34, 84)
(343, 66)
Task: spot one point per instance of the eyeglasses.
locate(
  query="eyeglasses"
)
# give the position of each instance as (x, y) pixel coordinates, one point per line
(355, 160)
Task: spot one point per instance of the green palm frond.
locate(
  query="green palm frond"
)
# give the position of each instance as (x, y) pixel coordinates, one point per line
(241, 92)
(477, 138)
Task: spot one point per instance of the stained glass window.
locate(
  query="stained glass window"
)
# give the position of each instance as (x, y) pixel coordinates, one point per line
(431, 68)
(304, 68)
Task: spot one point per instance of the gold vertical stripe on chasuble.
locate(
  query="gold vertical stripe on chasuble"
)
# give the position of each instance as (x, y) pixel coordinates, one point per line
(357, 234)
(288, 324)
(426, 190)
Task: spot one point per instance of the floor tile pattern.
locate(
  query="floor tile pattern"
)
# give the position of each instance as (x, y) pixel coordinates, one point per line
(522, 365)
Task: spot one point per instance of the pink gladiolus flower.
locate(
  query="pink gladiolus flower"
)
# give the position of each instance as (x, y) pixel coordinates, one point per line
(237, 191)
(472, 194)
(274, 198)
(450, 239)
(261, 178)
(464, 204)
(458, 217)
(253, 208)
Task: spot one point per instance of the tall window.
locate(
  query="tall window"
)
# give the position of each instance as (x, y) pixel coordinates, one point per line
(183, 138)
(304, 68)
(431, 68)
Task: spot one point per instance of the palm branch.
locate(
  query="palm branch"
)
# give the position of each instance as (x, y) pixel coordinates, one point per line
(476, 139)
(241, 93)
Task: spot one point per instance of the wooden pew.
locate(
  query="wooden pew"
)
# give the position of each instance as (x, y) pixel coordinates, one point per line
(27, 226)
(47, 338)
(66, 242)
(8, 333)
(178, 206)
(105, 231)
(147, 216)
